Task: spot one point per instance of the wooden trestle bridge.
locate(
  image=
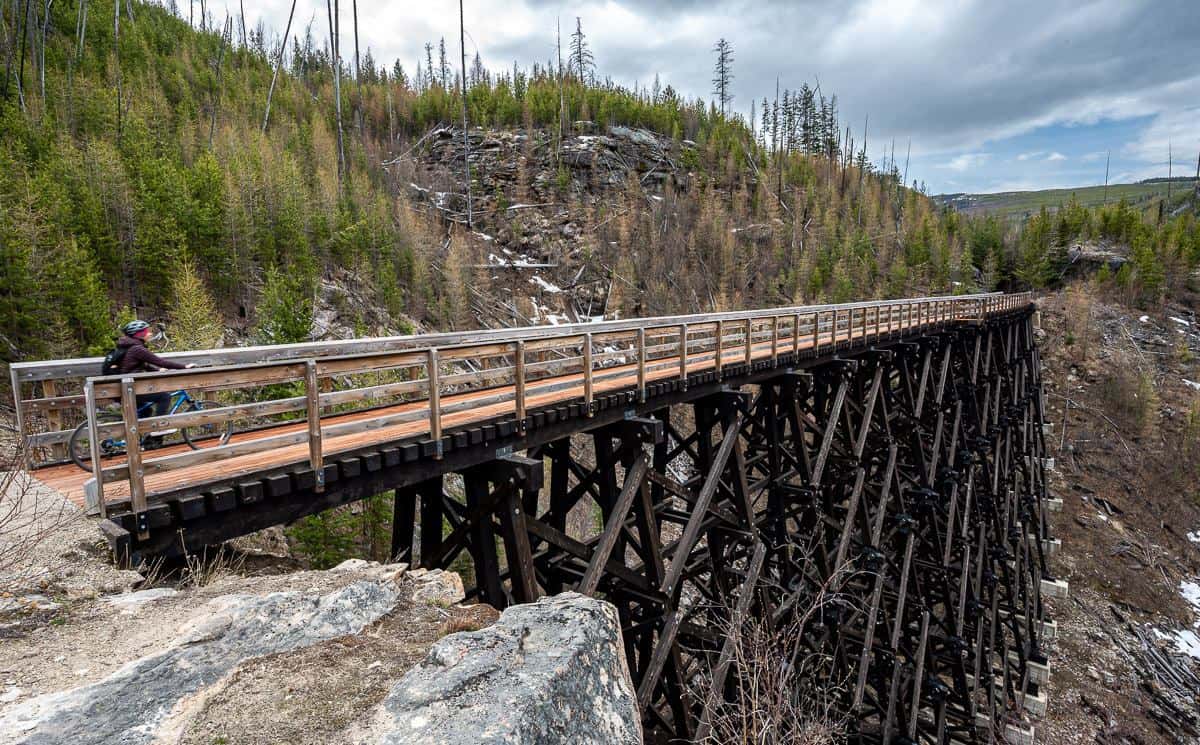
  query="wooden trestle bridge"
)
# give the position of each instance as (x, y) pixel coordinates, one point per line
(873, 471)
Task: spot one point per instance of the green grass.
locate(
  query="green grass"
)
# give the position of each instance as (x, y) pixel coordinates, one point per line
(1017, 204)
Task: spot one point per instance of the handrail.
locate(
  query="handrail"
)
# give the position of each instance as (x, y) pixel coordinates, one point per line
(426, 386)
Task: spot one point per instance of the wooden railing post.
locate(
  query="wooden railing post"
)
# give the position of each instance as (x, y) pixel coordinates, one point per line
(683, 354)
(720, 334)
(19, 408)
(519, 384)
(53, 417)
(435, 404)
(133, 454)
(641, 353)
(796, 334)
(749, 342)
(587, 373)
(816, 316)
(774, 341)
(89, 402)
(312, 395)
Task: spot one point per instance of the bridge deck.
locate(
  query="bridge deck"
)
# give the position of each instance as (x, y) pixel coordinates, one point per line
(386, 392)
(70, 480)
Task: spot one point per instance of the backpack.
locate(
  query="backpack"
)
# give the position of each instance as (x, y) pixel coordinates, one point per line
(112, 361)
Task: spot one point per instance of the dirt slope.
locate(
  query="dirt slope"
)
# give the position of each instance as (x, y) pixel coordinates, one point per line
(1122, 394)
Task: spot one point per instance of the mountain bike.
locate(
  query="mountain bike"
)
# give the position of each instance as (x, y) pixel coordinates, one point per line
(181, 401)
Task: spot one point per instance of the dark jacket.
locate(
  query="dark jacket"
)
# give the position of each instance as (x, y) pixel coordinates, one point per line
(140, 359)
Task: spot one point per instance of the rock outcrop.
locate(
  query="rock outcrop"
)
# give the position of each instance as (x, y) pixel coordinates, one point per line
(363, 653)
(132, 704)
(553, 671)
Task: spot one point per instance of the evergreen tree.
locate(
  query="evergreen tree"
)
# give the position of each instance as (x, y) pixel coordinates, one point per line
(285, 309)
(723, 74)
(195, 322)
(443, 65)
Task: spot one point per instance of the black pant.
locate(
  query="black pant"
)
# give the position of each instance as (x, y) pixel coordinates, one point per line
(161, 404)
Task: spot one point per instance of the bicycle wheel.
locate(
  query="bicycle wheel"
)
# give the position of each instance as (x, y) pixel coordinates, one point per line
(215, 434)
(80, 444)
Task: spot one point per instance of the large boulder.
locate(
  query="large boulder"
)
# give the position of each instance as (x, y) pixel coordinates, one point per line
(136, 702)
(553, 671)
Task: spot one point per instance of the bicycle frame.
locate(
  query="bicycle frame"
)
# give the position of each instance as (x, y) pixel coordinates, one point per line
(178, 400)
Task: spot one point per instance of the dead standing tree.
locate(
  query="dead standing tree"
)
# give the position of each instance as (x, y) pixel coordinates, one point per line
(336, 63)
(466, 135)
(723, 73)
(226, 37)
(117, 61)
(278, 64)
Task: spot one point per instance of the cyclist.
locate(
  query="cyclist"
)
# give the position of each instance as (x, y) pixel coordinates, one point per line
(133, 356)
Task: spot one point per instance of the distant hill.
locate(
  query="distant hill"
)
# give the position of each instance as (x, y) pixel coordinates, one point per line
(1017, 204)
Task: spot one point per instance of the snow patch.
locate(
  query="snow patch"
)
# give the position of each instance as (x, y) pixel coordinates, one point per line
(1191, 384)
(1180, 321)
(546, 286)
(1191, 593)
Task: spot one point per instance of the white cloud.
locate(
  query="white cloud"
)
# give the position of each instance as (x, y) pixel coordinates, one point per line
(1031, 156)
(965, 162)
(1056, 156)
(1178, 130)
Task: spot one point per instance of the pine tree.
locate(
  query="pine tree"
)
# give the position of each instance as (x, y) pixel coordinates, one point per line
(285, 309)
(443, 65)
(429, 74)
(195, 322)
(723, 73)
(765, 125)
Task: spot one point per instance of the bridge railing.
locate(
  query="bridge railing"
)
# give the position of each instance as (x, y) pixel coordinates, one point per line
(445, 381)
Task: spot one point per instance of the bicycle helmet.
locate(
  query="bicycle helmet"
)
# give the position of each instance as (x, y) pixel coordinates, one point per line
(133, 327)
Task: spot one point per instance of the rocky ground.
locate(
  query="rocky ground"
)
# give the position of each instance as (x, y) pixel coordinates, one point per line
(1123, 399)
(236, 649)
(535, 224)
(233, 651)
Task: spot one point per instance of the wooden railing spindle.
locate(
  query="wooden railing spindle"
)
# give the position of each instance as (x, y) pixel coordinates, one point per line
(435, 404)
(749, 341)
(312, 395)
(133, 455)
(89, 396)
(683, 354)
(720, 334)
(587, 373)
(519, 383)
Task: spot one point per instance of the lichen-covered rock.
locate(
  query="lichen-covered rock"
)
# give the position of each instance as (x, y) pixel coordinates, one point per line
(436, 587)
(547, 672)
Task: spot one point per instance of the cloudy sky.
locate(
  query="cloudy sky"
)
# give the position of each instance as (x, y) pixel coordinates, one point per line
(994, 96)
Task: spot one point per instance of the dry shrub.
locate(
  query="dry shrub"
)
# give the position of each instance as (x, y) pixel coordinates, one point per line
(1182, 454)
(27, 517)
(208, 566)
(1079, 331)
(1127, 394)
(455, 624)
(777, 700)
(782, 692)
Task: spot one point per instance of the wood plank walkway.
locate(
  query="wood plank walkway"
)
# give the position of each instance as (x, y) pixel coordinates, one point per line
(70, 480)
(454, 384)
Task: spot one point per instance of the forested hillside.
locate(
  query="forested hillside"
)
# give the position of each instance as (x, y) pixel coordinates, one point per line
(140, 175)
